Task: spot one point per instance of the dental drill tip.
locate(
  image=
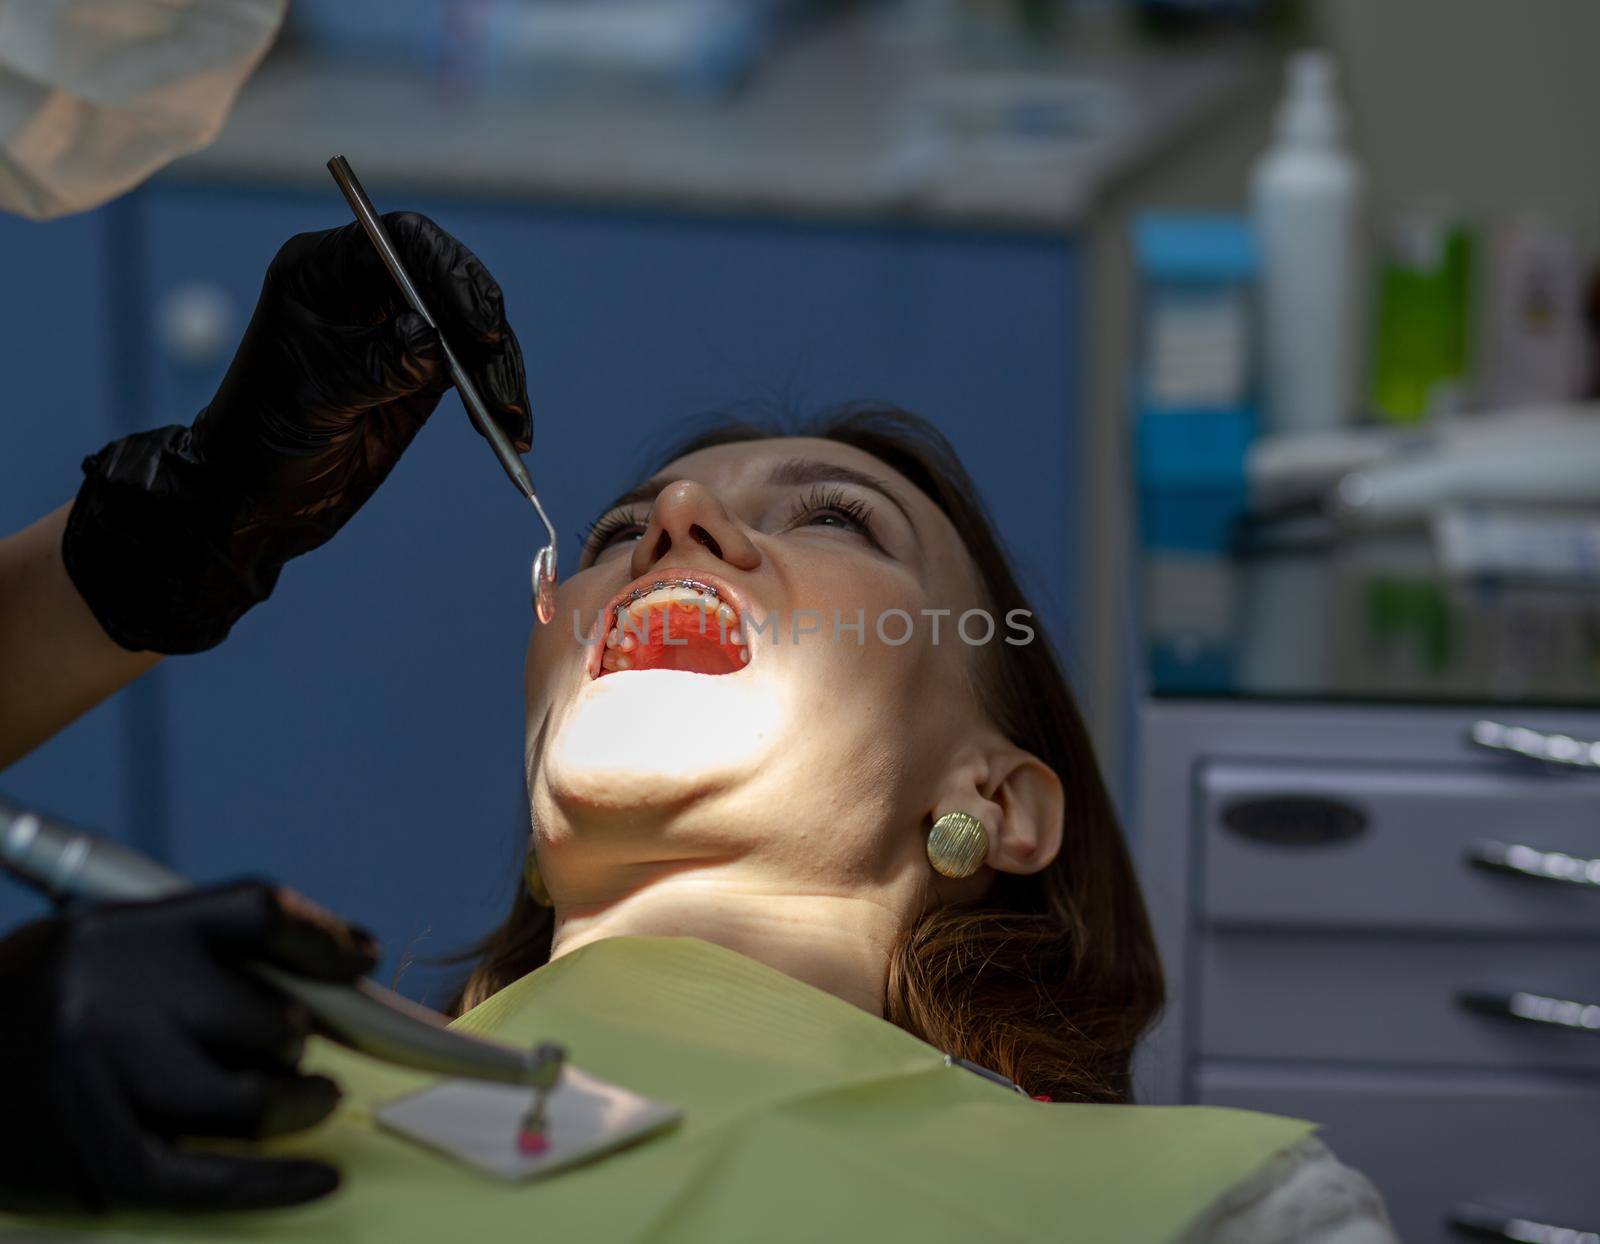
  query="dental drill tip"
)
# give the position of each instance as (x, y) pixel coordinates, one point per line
(548, 1059)
(531, 1132)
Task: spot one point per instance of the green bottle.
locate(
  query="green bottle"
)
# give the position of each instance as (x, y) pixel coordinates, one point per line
(1423, 354)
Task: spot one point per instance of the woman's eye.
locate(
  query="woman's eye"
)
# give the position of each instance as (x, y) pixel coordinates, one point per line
(833, 518)
(631, 532)
(610, 531)
(832, 507)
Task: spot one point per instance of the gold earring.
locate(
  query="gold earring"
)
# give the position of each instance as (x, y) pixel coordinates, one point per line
(958, 845)
(534, 880)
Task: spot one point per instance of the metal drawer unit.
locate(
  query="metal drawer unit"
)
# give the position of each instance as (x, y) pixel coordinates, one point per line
(1396, 847)
(1442, 1146)
(1387, 921)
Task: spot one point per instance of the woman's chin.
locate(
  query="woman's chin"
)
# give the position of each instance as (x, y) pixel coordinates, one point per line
(639, 738)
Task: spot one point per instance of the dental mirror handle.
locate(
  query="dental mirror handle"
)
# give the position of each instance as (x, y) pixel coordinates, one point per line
(504, 450)
(544, 566)
(63, 861)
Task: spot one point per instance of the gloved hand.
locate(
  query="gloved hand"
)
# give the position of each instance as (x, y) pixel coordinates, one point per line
(126, 1026)
(177, 531)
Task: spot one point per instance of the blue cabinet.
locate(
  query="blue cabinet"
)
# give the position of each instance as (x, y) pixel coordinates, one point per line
(360, 736)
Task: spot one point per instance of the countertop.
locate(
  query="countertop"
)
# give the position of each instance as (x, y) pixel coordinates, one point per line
(847, 121)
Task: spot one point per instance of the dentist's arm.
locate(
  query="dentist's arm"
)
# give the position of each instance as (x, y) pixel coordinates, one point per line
(56, 662)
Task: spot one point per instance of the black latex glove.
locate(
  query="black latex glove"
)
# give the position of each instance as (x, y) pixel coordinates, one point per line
(177, 531)
(128, 1026)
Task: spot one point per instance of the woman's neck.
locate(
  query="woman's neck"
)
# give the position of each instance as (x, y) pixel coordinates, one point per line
(840, 943)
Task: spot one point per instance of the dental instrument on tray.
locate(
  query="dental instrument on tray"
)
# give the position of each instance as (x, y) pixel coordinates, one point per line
(62, 861)
(544, 563)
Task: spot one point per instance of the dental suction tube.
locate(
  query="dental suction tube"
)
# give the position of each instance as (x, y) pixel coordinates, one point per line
(63, 861)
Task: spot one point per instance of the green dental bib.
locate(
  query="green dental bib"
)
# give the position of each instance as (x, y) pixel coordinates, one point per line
(805, 1119)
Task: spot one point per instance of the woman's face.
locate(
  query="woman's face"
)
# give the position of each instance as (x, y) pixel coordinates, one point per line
(789, 736)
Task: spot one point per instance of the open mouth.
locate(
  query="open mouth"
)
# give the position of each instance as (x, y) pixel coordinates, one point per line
(674, 623)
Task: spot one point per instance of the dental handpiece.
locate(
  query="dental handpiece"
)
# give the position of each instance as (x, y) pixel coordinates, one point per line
(62, 861)
(544, 564)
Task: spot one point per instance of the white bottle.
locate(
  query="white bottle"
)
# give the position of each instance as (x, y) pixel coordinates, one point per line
(1306, 200)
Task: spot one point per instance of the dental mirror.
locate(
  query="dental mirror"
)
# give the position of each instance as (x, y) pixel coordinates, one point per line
(544, 573)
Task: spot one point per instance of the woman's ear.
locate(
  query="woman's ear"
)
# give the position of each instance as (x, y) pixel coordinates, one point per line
(1019, 801)
(1027, 794)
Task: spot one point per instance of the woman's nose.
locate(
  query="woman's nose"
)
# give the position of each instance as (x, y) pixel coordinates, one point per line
(687, 517)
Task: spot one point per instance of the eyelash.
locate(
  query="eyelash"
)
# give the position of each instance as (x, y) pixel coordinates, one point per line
(834, 501)
(817, 501)
(607, 525)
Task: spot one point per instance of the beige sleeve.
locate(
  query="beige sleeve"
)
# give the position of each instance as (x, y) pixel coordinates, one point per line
(1303, 1196)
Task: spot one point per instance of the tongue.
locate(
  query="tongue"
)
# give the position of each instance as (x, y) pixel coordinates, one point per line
(696, 643)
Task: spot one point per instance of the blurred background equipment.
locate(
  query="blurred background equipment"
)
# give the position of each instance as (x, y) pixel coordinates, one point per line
(1537, 306)
(1424, 313)
(1305, 200)
(1196, 415)
(557, 48)
(1363, 802)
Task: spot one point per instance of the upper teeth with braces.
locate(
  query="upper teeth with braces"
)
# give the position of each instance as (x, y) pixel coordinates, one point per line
(624, 637)
(696, 588)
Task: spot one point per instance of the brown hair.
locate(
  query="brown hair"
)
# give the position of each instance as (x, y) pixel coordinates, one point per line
(1051, 978)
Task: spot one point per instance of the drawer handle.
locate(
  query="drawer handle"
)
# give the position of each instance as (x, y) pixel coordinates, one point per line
(1534, 1008)
(1557, 751)
(1490, 1224)
(1526, 861)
